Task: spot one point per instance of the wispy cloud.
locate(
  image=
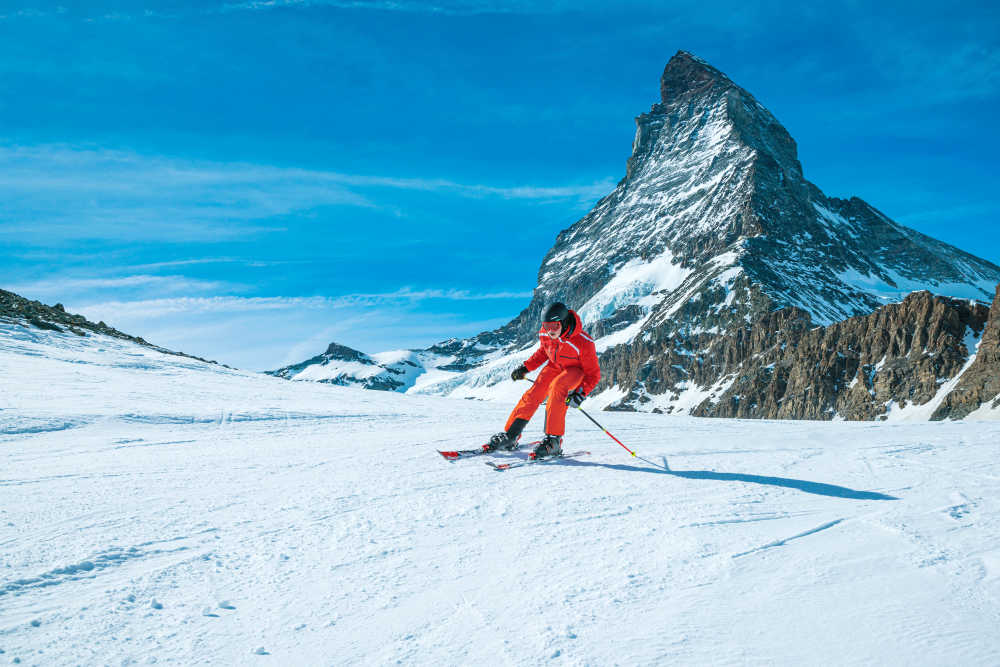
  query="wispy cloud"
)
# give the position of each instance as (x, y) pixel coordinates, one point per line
(150, 308)
(190, 262)
(66, 287)
(94, 14)
(586, 191)
(445, 8)
(63, 192)
(30, 13)
(202, 261)
(69, 168)
(969, 72)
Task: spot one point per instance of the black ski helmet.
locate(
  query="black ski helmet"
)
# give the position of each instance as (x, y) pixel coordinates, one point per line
(557, 312)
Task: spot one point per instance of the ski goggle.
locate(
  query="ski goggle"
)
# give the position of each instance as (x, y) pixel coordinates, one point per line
(552, 328)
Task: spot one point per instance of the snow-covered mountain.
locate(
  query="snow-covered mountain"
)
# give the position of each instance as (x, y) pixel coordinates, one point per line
(712, 229)
(347, 367)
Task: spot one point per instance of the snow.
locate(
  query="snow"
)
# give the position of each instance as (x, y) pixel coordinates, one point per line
(395, 357)
(862, 276)
(975, 289)
(600, 400)
(159, 509)
(990, 410)
(649, 284)
(880, 365)
(633, 283)
(838, 222)
(488, 381)
(620, 337)
(690, 395)
(338, 368)
(410, 370)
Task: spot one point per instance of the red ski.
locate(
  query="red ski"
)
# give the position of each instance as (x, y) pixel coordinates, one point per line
(528, 462)
(462, 453)
(465, 453)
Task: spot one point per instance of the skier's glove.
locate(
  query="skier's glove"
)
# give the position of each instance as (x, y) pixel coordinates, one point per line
(576, 398)
(519, 373)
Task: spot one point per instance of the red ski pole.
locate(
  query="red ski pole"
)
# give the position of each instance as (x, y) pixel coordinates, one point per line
(597, 425)
(605, 430)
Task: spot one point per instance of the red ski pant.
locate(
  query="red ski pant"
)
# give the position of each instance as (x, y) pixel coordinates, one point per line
(552, 384)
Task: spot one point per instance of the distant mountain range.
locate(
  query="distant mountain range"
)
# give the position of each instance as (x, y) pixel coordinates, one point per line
(706, 271)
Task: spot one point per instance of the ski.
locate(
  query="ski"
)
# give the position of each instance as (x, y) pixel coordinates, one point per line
(528, 462)
(466, 453)
(461, 453)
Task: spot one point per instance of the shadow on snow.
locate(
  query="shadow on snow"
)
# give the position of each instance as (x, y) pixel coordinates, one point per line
(818, 488)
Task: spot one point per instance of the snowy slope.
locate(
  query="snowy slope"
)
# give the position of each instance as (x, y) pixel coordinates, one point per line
(157, 509)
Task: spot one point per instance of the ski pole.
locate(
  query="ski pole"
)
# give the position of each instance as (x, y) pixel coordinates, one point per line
(597, 425)
(605, 430)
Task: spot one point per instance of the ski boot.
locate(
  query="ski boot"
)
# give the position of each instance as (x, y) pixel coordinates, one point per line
(501, 440)
(506, 439)
(549, 447)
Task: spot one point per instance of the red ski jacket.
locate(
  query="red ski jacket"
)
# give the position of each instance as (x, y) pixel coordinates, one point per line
(577, 349)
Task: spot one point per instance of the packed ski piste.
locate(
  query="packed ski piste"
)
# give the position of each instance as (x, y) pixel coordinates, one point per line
(157, 509)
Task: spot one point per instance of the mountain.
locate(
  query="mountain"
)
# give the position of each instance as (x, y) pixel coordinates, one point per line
(712, 231)
(347, 367)
(16, 309)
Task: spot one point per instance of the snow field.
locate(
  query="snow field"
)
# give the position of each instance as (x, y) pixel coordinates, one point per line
(155, 509)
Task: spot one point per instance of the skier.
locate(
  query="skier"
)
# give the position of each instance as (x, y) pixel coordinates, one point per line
(571, 373)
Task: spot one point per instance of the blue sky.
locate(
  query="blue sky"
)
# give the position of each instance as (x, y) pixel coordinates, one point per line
(248, 181)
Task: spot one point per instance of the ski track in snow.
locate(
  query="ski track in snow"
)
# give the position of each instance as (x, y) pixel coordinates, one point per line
(185, 513)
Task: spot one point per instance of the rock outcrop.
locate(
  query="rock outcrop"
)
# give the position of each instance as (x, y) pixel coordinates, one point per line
(26, 312)
(980, 384)
(864, 368)
(54, 318)
(784, 367)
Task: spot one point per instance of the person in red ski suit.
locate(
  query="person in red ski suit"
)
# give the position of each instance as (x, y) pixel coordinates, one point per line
(571, 372)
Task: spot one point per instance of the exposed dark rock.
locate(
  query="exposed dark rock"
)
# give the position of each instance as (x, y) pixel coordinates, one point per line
(42, 324)
(783, 368)
(980, 384)
(55, 318)
(346, 353)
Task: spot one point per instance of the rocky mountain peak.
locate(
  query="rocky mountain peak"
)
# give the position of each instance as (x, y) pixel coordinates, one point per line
(686, 75)
(342, 352)
(692, 91)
